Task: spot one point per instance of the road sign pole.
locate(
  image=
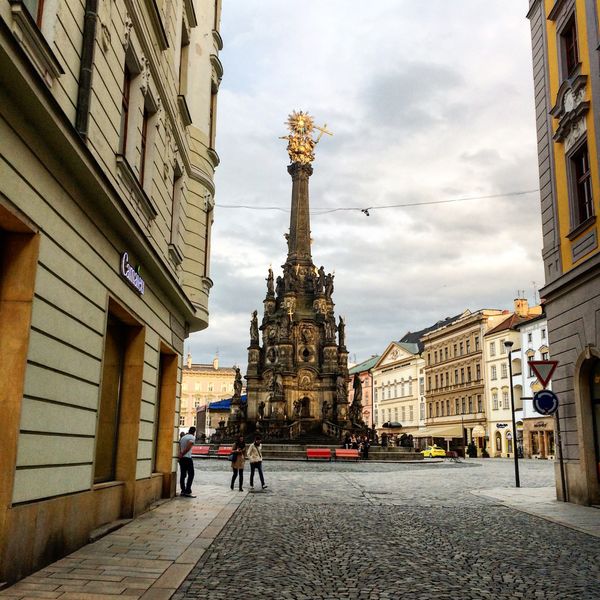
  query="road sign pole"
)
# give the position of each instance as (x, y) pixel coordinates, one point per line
(563, 480)
(515, 440)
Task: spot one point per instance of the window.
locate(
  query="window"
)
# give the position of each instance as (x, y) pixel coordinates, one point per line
(455, 350)
(470, 404)
(529, 337)
(422, 412)
(437, 409)
(376, 416)
(582, 202)
(543, 334)
(504, 398)
(183, 59)
(468, 374)
(461, 348)
(430, 410)
(410, 413)
(436, 382)
(410, 386)
(447, 378)
(396, 414)
(375, 395)
(421, 385)
(569, 50)
(478, 372)
(476, 342)
(144, 144)
(468, 345)
(462, 375)
(494, 374)
(211, 387)
(181, 420)
(428, 358)
(504, 370)
(492, 348)
(213, 114)
(503, 348)
(35, 8)
(448, 407)
(429, 383)
(545, 356)
(530, 370)
(479, 403)
(462, 405)
(446, 353)
(494, 399)
(455, 376)
(435, 357)
(125, 98)
(403, 414)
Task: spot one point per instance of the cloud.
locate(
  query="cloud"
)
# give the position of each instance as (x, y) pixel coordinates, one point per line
(427, 101)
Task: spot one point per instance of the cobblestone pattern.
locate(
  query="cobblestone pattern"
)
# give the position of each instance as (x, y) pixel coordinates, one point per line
(400, 532)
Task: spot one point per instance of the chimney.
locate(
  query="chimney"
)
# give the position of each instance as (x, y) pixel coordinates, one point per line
(521, 307)
(189, 360)
(216, 363)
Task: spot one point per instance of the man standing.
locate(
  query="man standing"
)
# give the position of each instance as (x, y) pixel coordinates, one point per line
(255, 458)
(186, 463)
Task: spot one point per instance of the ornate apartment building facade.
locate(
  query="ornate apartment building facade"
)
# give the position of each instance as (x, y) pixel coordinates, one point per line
(107, 130)
(364, 372)
(566, 70)
(455, 390)
(396, 387)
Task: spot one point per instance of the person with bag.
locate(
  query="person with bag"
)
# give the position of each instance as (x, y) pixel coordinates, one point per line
(255, 458)
(238, 460)
(186, 463)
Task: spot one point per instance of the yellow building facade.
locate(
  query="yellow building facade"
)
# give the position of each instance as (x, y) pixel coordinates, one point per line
(566, 71)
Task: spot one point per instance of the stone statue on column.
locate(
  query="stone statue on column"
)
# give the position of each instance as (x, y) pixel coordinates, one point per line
(254, 329)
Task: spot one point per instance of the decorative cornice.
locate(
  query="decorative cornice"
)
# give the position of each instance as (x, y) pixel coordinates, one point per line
(184, 111)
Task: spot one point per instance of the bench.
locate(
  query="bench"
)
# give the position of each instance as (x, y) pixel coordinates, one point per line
(224, 451)
(318, 453)
(200, 450)
(346, 453)
(452, 455)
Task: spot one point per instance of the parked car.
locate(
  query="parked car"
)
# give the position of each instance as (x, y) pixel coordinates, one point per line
(432, 451)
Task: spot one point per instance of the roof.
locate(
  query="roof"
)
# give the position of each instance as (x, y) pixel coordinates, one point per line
(364, 366)
(209, 368)
(512, 322)
(531, 320)
(415, 337)
(409, 347)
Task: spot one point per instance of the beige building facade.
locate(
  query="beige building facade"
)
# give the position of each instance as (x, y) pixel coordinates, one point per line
(396, 388)
(107, 129)
(202, 384)
(454, 375)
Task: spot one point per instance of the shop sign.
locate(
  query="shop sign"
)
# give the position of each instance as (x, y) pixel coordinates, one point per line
(131, 274)
(501, 425)
(540, 424)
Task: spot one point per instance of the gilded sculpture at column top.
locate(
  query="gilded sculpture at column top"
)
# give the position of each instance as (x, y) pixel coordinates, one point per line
(301, 144)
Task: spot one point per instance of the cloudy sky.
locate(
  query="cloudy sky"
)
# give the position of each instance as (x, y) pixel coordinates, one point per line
(428, 101)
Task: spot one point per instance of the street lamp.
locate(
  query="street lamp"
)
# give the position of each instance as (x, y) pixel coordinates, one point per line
(508, 345)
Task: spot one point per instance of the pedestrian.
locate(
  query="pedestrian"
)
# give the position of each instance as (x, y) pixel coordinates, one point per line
(239, 460)
(186, 463)
(255, 458)
(365, 447)
(347, 441)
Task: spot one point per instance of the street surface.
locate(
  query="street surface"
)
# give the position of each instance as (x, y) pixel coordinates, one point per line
(353, 530)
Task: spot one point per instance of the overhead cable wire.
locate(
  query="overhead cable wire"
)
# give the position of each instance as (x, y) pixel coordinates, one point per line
(366, 210)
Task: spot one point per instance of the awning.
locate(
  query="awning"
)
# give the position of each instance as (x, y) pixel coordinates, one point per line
(478, 431)
(451, 430)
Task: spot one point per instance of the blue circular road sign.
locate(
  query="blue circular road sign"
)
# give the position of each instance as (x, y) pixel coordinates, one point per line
(545, 402)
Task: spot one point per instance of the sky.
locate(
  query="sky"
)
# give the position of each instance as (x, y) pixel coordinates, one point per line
(428, 101)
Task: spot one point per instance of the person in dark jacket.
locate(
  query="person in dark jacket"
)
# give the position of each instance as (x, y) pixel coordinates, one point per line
(238, 462)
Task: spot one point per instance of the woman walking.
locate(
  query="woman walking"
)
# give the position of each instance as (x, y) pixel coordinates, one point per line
(238, 462)
(255, 458)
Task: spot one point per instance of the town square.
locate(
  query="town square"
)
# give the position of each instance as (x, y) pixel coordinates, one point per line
(299, 301)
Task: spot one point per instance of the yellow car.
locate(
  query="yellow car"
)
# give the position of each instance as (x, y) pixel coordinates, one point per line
(432, 451)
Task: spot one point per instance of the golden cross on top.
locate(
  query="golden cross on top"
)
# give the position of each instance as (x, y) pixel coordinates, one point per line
(323, 130)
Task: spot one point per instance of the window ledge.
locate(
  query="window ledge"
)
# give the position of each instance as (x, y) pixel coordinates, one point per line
(583, 226)
(34, 43)
(175, 254)
(128, 176)
(184, 111)
(217, 39)
(214, 157)
(157, 24)
(190, 13)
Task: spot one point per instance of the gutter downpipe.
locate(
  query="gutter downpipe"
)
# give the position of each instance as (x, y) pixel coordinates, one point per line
(84, 91)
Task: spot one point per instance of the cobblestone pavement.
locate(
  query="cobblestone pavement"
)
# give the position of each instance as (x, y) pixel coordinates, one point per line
(378, 531)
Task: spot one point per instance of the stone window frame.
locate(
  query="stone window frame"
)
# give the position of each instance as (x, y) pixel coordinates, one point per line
(563, 14)
(577, 226)
(35, 36)
(494, 392)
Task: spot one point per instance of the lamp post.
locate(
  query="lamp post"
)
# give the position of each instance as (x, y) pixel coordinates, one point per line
(508, 345)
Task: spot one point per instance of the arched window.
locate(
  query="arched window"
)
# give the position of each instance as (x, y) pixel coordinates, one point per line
(498, 441)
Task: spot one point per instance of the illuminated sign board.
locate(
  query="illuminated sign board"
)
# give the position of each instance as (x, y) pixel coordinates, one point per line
(132, 274)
